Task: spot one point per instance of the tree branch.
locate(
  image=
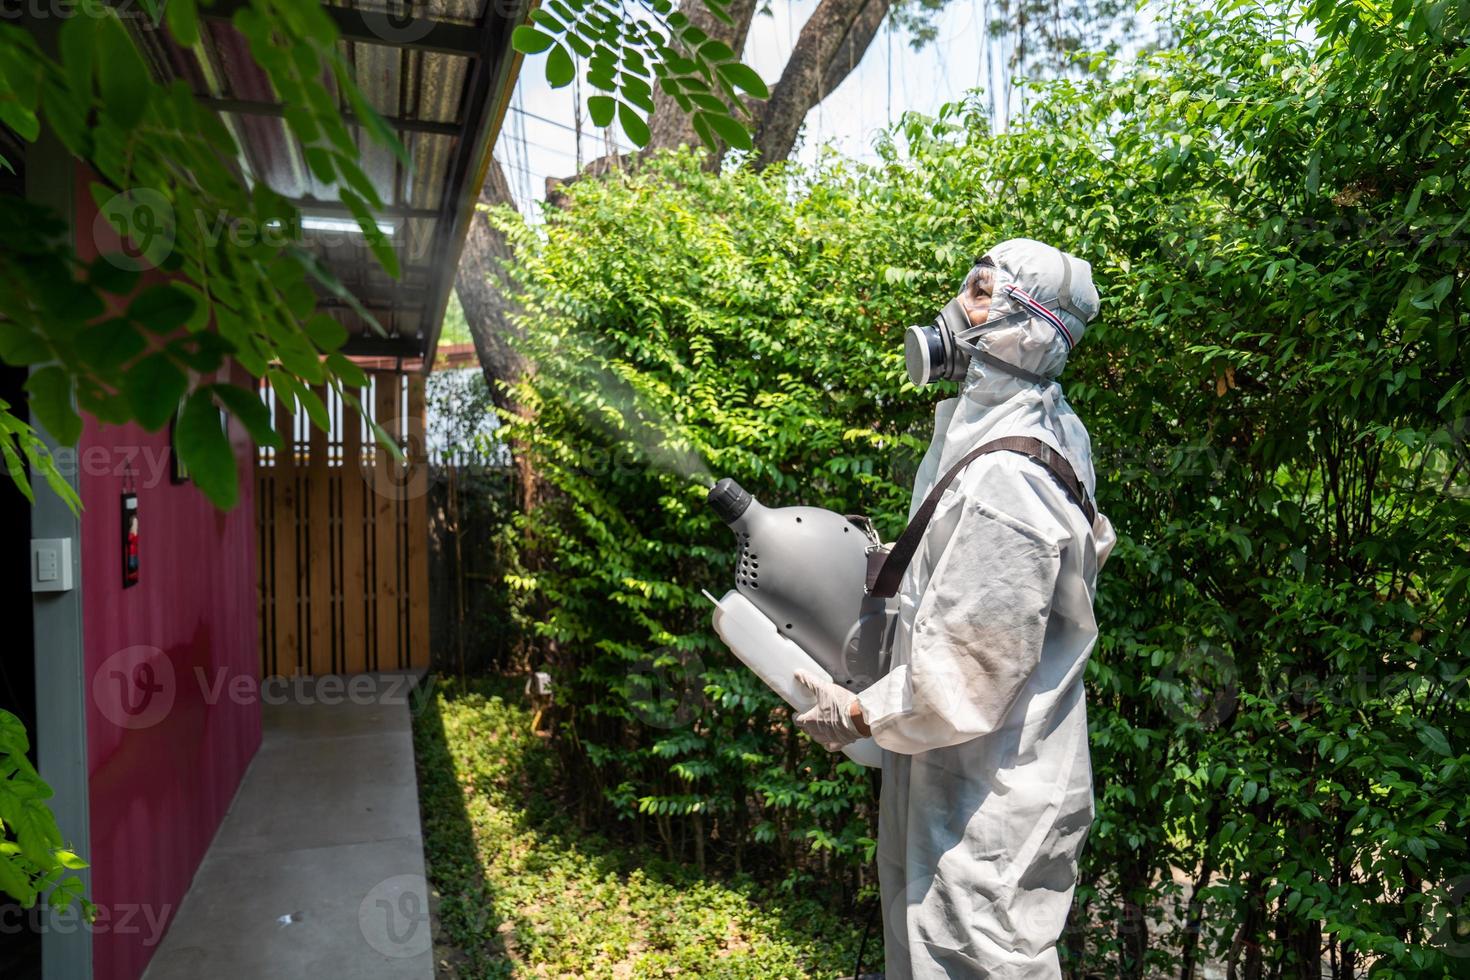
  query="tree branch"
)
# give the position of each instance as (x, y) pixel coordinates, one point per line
(830, 45)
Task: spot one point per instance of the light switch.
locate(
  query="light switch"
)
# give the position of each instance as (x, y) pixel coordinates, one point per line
(51, 564)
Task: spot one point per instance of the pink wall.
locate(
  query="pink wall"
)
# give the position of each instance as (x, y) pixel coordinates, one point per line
(172, 720)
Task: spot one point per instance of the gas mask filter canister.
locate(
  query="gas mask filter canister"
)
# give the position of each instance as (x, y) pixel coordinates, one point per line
(930, 353)
(942, 350)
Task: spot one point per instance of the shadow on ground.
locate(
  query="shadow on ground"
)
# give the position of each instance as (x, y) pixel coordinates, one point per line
(520, 890)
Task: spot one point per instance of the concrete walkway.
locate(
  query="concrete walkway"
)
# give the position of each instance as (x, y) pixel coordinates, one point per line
(317, 872)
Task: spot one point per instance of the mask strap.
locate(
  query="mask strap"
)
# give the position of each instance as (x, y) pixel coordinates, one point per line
(963, 340)
(1006, 366)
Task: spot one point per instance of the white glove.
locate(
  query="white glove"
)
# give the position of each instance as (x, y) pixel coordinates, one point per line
(830, 720)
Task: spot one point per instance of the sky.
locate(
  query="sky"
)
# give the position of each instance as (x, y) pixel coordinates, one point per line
(539, 139)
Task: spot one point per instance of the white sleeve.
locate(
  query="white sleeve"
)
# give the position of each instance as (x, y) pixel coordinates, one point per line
(977, 636)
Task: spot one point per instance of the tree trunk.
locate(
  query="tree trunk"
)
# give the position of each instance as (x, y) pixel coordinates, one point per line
(1194, 916)
(1246, 950)
(854, 45)
(699, 839)
(1074, 933)
(1300, 940)
(1132, 927)
(484, 292)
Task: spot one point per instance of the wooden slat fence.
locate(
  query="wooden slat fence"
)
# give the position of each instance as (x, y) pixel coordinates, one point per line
(343, 537)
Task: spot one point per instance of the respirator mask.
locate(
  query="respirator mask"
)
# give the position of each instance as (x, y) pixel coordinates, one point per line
(942, 350)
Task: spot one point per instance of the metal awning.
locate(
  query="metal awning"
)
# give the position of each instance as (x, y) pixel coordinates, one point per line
(440, 73)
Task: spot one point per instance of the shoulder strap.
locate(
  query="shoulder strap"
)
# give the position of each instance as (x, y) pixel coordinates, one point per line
(886, 584)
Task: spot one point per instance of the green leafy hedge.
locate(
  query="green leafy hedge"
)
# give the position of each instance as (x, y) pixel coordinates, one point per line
(1277, 390)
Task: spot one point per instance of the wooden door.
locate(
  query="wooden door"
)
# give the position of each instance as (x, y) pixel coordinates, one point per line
(343, 537)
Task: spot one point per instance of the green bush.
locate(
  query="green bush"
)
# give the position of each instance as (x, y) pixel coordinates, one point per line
(685, 325)
(1277, 390)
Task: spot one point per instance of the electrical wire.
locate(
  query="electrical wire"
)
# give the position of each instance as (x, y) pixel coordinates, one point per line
(561, 125)
(888, 66)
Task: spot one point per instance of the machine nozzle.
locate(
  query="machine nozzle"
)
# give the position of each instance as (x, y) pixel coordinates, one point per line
(729, 500)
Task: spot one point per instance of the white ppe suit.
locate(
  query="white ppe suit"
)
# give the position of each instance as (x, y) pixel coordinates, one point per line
(987, 786)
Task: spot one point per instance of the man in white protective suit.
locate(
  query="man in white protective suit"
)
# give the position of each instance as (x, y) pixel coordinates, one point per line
(987, 785)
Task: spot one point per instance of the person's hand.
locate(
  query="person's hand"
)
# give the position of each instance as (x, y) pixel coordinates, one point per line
(830, 721)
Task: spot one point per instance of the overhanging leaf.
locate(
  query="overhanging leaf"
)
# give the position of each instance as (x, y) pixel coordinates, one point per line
(247, 406)
(51, 401)
(745, 78)
(326, 331)
(729, 129)
(183, 21)
(204, 448)
(527, 40)
(559, 68)
(153, 388)
(633, 124)
(164, 308)
(121, 74)
(110, 344)
(602, 109)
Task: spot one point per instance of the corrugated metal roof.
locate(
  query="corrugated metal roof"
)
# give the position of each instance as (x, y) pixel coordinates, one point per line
(439, 72)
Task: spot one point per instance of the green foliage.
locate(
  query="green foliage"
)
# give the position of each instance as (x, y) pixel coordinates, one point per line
(627, 55)
(525, 891)
(33, 858)
(1277, 393)
(1281, 680)
(687, 325)
(244, 288)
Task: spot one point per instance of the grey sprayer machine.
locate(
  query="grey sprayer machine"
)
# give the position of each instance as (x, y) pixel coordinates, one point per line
(801, 599)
